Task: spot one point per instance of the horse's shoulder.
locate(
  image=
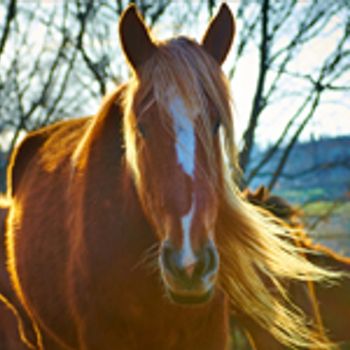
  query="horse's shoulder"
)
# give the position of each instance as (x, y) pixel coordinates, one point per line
(40, 141)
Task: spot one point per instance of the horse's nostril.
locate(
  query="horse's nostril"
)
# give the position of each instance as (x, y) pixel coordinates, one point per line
(200, 268)
(166, 254)
(212, 259)
(207, 263)
(169, 260)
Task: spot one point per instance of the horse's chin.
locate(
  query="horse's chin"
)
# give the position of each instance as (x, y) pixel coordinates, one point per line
(190, 298)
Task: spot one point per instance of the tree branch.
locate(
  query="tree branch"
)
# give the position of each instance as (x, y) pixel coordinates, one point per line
(11, 13)
(293, 141)
(258, 103)
(271, 152)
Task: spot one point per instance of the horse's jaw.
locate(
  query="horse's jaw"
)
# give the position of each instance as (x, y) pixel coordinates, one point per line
(190, 299)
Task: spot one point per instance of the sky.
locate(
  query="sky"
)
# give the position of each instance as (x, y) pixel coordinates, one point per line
(333, 116)
(331, 119)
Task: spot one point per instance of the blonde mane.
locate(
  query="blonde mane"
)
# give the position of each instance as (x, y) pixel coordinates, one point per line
(4, 202)
(256, 258)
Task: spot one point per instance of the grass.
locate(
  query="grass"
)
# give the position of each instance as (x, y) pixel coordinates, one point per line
(302, 195)
(322, 207)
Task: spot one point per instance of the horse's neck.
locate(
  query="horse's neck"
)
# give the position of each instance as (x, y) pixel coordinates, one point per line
(105, 195)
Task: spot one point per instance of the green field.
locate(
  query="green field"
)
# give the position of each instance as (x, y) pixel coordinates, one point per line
(326, 221)
(329, 223)
(319, 208)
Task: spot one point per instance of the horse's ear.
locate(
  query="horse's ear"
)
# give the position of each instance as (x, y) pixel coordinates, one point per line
(219, 35)
(261, 193)
(135, 38)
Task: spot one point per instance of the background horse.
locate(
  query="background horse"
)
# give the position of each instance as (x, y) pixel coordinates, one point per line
(126, 230)
(328, 306)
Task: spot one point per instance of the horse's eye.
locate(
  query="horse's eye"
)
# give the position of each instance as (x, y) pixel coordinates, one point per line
(216, 126)
(142, 130)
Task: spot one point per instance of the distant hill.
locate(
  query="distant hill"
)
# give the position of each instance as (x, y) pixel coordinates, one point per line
(317, 169)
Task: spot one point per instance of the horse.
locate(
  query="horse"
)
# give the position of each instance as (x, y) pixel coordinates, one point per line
(126, 229)
(327, 306)
(276, 205)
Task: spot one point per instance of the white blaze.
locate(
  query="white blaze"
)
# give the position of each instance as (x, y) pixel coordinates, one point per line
(187, 256)
(185, 135)
(185, 151)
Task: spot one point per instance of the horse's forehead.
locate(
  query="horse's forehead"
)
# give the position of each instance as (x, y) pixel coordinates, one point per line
(184, 132)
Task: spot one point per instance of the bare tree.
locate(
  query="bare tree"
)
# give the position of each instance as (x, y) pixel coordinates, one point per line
(268, 23)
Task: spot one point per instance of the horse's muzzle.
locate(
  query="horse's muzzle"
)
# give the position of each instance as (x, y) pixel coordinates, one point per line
(189, 283)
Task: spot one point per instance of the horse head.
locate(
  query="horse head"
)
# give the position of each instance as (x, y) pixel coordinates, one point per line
(178, 100)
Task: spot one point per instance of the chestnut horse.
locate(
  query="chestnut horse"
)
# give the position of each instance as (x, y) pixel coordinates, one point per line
(327, 306)
(126, 230)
